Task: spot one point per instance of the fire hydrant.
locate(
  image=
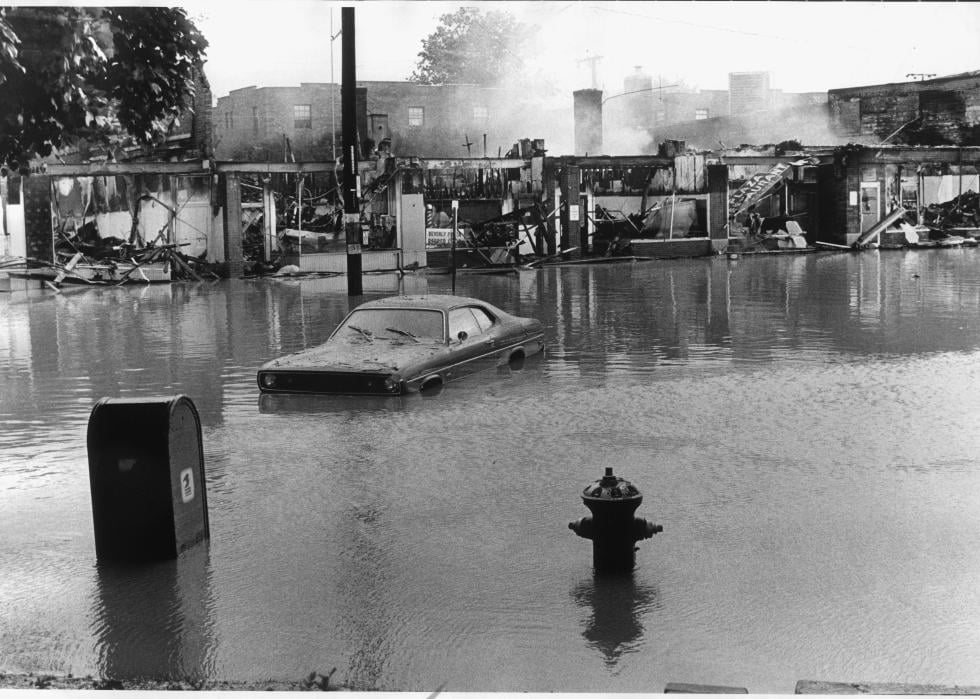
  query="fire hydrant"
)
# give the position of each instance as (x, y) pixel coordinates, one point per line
(612, 527)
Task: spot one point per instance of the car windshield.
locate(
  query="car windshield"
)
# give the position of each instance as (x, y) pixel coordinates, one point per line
(410, 324)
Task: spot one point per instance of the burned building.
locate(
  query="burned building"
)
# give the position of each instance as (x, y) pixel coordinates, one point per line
(448, 121)
(940, 111)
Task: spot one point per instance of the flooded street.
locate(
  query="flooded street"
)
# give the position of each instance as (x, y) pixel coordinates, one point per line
(805, 427)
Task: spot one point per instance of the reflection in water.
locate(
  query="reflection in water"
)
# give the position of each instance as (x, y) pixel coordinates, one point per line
(617, 604)
(366, 619)
(155, 620)
(827, 400)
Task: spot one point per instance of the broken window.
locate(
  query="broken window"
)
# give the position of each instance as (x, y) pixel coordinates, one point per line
(416, 116)
(302, 116)
(229, 120)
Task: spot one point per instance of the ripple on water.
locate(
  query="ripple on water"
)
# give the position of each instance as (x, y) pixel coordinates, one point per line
(805, 439)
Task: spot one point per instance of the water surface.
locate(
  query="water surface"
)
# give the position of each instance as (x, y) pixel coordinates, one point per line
(803, 426)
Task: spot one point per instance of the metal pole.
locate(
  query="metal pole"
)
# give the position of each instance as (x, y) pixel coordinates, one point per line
(299, 217)
(333, 97)
(452, 243)
(348, 122)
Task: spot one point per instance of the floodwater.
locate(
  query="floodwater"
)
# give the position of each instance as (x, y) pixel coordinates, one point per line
(806, 428)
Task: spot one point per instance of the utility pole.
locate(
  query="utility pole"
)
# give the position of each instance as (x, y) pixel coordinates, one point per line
(333, 97)
(593, 60)
(348, 121)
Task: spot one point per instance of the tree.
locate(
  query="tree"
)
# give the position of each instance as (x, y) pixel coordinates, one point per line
(99, 74)
(473, 47)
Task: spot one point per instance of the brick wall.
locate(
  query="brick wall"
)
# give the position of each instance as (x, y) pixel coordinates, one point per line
(949, 108)
(255, 119)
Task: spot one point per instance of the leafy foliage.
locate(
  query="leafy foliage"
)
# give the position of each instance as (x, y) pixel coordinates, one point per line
(71, 73)
(473, 47)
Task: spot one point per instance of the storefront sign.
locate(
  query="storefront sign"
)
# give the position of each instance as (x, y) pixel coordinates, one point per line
(441, 237)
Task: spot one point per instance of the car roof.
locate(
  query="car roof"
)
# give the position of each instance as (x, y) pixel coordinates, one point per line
(442, 302)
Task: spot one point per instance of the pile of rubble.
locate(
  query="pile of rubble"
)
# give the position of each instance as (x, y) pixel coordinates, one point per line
(960, 212)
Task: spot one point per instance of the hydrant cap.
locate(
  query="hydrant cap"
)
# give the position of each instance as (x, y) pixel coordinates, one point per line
(611, 487)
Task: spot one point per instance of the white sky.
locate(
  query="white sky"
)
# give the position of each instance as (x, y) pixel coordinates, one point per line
(805, 46)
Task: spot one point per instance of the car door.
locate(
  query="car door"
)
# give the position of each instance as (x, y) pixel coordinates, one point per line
(471, 348)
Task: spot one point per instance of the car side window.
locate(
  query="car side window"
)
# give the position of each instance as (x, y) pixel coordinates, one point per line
(462, 320)
(484, 319)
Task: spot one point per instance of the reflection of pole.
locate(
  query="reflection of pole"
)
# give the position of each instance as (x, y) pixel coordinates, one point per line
(348, 121)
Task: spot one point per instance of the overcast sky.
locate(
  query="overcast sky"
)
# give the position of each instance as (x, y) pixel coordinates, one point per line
(805, 46)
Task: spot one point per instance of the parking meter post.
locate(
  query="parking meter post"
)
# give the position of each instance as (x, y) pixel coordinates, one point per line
(146, 475)
(613, 528)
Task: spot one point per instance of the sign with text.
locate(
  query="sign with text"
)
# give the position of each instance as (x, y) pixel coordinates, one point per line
(441, 237)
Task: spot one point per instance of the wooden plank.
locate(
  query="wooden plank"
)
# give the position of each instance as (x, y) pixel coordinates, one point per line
(613, 161)
(873, 232)
(473, 163)
(193, 167)
(818, 687)
(967, 155)
(277, 168)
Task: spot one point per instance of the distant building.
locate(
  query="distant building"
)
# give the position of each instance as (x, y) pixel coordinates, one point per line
(262, 123)
(750, 112)
(748, 92)
(941, 111)
(638, 94)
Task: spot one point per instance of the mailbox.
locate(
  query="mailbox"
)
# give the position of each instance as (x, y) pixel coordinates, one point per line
(146, 472)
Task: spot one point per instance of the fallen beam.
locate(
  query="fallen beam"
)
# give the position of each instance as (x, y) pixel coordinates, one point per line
(877, 229)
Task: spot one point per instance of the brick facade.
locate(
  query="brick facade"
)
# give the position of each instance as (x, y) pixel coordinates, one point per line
(942, 111)
(250, 123)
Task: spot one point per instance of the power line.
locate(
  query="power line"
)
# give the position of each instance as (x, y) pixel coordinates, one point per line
(795, 38)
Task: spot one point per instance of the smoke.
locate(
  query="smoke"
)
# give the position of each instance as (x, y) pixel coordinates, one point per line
(626, 140)
(808, 125)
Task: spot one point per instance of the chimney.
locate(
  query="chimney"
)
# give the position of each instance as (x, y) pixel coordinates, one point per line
(588, 121)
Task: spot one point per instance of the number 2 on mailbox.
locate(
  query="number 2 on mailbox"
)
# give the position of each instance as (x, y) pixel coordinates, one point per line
(187, 485)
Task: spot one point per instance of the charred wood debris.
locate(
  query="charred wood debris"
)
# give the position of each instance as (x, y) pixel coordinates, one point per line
(959, 212)
(85, 246)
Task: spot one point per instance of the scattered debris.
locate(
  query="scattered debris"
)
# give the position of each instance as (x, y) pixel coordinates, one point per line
(962, 211)
(314, 682)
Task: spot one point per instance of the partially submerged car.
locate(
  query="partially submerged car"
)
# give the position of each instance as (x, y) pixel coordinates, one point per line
(404, 344)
